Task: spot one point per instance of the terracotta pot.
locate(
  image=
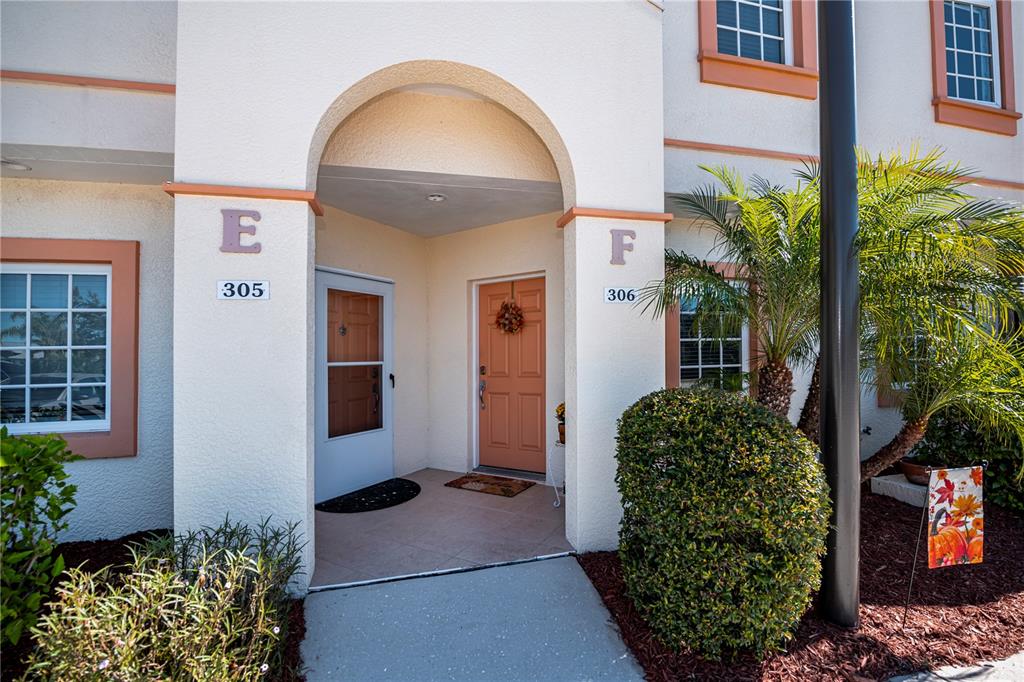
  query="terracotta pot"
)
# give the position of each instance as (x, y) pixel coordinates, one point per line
(915, 473)
(561, 434)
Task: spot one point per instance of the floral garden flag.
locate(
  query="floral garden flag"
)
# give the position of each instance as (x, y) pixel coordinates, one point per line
(955, 523)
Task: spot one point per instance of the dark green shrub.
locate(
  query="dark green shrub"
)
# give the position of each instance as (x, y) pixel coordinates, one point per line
(954, 440)
(725, 511)
(34, 499)
(209, 605)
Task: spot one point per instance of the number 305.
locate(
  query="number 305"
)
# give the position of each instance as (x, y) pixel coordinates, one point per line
(234, 289)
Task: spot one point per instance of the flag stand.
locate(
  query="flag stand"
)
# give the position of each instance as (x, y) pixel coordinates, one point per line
(917, 547)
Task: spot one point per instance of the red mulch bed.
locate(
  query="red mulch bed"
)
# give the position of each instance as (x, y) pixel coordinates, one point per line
(97, 554)
(958, 615)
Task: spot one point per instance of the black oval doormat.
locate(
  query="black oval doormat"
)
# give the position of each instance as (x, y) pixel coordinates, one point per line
(371, 498)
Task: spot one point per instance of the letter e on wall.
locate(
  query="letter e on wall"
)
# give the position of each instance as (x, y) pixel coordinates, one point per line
(234, 229)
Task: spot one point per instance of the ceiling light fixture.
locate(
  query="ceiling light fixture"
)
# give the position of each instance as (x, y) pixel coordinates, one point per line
(437, 198)
(14, 165)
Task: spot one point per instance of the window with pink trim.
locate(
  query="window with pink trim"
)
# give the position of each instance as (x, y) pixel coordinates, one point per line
(69, 342)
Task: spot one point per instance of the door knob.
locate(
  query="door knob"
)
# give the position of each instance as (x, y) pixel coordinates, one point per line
(483, 386)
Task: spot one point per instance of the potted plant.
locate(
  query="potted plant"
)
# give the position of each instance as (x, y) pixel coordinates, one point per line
(560, 416)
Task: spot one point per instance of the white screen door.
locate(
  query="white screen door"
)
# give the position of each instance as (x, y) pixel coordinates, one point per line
(354, 349)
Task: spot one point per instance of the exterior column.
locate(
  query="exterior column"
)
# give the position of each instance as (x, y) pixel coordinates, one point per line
(613, 356)
(243, 369)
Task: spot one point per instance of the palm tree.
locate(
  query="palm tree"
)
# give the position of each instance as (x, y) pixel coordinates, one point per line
(975, 374)
(771, 235)
(931, 257)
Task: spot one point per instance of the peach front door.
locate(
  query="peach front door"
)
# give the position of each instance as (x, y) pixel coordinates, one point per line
(511, 378)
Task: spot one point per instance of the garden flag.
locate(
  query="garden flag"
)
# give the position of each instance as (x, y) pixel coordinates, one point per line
(955, 517)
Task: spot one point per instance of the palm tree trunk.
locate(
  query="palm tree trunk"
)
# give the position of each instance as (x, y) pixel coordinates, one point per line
(775, 387)
(896, 449)
(810, 414)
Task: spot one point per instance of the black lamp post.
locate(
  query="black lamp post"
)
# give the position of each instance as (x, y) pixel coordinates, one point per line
(840, 346)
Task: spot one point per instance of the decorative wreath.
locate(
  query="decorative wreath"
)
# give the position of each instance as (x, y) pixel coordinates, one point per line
(510, 317)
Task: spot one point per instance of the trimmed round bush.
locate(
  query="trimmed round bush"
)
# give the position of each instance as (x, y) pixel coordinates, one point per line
(725, 515)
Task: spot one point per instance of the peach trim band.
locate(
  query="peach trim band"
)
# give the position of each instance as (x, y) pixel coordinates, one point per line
(577, 212)
(87, 81)
(174, 188)
(791, 156)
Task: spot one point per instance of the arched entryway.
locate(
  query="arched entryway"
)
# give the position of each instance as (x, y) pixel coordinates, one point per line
(441, 185)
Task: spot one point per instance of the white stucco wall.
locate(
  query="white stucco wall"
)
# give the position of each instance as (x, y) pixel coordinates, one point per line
(124, 40)
(532, 246)
(356, 244)
(123, 495)
(434, 133)
(243, 370)
(894, 94)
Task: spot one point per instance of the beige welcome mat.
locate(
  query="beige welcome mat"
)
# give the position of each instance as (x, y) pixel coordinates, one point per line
(492, 485)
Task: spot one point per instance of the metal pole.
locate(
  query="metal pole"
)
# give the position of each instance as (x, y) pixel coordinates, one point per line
(840, 344)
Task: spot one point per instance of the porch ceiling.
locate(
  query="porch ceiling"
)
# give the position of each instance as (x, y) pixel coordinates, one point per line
(399, 198)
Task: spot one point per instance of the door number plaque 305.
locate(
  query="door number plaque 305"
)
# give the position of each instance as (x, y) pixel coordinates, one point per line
(243, 289)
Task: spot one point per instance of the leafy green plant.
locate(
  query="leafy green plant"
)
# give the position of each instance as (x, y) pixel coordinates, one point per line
(207, 605)
(771, 236)
(954, 439)
(725, 511)
(34, 499)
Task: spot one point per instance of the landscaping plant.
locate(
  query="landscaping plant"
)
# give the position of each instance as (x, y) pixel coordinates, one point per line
(207, 605)
(953, 439)
(34, 499)
(725, 512)
(771, 236)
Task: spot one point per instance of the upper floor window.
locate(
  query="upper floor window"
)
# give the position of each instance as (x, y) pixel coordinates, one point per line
(54, 347)
(765, 45)
(972, 64)
(754, 29)
(972, 69)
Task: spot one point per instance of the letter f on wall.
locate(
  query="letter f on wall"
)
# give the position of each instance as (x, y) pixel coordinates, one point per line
(233, 231)
(619, 245)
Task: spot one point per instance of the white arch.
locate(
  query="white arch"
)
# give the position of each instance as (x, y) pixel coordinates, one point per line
(443, 73)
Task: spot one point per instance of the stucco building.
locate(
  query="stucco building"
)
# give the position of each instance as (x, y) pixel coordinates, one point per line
(252, 251)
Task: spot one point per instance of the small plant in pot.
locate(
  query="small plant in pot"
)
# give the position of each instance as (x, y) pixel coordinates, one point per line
(560, 416)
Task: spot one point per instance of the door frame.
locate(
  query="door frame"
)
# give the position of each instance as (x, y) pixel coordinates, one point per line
(319, 376)
(474, 360)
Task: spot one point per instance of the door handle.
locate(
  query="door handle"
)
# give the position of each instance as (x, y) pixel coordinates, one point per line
(376, 398)
(483, 386)
(392, 377)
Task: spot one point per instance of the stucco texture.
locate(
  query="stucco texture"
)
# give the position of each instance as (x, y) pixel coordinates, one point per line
(440, 134)
(123, 495)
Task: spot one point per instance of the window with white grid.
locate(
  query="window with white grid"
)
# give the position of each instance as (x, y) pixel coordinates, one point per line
(54, 347)
(718, 354)
(972, 71)
(755, 29)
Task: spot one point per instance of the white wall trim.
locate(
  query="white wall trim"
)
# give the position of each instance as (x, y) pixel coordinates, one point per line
(351, 273)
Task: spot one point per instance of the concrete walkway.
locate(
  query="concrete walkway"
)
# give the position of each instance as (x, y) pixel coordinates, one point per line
(535, 621)
(1009, 670)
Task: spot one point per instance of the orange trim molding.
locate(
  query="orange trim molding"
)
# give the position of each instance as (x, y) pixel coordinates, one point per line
(1001, 120)
(738, 151)
(87, 81)
(577, 212)
(791, 156)
(123, 258)
(797, 80)
(188, 188)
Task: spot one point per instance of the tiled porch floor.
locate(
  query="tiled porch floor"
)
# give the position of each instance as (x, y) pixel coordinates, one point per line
(440, 528)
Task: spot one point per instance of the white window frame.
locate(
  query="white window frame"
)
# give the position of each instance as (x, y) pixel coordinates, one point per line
(993, 16)
(787, 31)
(744, 339)
(69, 269)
